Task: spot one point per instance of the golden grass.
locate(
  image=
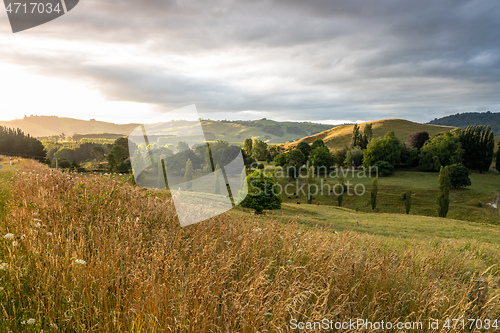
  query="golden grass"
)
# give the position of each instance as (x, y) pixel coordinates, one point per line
(144, 273)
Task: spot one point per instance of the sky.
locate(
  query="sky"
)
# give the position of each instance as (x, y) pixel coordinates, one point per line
(318, 60)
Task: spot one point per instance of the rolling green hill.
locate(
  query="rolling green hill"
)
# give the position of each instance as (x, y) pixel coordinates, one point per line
(340, 136)
(471, 118)
(231, 131)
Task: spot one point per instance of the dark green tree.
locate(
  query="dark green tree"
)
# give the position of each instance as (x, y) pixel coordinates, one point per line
(259, 150)
(356, 136)
(305, 148)
(247, 147)
(295, 160)
(441, 150)
(478, 143)
(407, 201)
(497, 164)
(317, 143)
(259, 195)
(459, 176)
(310, 183)
(340, 196)
(366, 137)
(322, 159)
(444, 191)
(373, 194)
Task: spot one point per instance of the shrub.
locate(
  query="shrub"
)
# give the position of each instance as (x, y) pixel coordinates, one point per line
(459, 175)
(441, 150)
(260, 195)
(384, 168)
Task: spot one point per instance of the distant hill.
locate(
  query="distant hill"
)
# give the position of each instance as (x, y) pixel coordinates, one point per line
(471, 118)
(231, 131)
(340, 136)
(45, 126)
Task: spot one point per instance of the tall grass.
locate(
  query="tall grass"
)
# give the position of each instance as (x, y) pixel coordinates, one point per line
(93, 254)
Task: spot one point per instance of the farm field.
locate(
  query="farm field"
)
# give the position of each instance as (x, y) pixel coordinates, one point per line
(95, 254)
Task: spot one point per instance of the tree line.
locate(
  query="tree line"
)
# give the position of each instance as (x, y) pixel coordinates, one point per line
(14, 142)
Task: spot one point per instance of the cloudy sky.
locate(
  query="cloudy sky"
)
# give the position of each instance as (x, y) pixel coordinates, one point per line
(316, 60)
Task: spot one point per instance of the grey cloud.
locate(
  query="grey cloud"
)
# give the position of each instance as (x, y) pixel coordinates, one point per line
(352, 59)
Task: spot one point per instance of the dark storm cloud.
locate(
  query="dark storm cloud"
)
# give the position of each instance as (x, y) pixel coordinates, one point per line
(329, 59)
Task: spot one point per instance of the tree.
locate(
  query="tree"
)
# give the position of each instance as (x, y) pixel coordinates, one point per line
(356, 136)
(317, 143)
(322, 159)
(459, 176)
(478, 143)
(387, 148)
(340, 156)
(295, 159)
(367, 136)
(247, 147)
(497, 163)
(373, 194)
(418, 140)
(188, 175)
(97, 153)
(182, 146)
(310, 183)
(407, 200)
(441, 150)
(384, 168)
(260, 193)
(340, 196)
(280, 159)
(259, 150)
(305, 148)
(354, 157)
(443, 191)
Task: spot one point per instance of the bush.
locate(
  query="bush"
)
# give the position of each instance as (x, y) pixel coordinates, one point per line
(384, 168)
(441, 150)
(459, 176)
(260, 195)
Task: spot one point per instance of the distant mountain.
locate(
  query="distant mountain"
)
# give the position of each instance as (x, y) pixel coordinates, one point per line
(231, 131)
(340, 136)
(471, 118)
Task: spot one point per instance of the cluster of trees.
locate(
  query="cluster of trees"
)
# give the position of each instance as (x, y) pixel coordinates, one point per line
(472, 147)
(15, 142)
(115, 155)
(463, 120)
(317, 154)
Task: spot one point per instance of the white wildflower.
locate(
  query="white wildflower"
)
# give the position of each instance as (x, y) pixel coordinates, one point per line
(49, 233)
(15, 243)
(4, 266)
(38, 225)
(80, 262)
(53, 325)
(37, 220)
(289, 261)
(9, 236)
(299, 250)
(31, 321)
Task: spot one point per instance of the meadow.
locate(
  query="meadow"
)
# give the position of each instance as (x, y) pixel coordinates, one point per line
(93, 253)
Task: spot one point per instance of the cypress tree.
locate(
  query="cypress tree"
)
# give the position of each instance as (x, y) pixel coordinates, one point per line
(498, 158)
(217, 179)
(407, 200)
(444, 185)
(373, 195)
(310, 182)
(340, 197)
(188, 175)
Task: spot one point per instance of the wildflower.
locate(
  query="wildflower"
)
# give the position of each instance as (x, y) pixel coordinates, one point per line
(80, 262)
(4, 266)
(289, 261)
(8, 236)
(37, 220)
(53, 325)
(299, 250)
(15, 243)
(38, 225)
(30, 321)
(49, 233)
